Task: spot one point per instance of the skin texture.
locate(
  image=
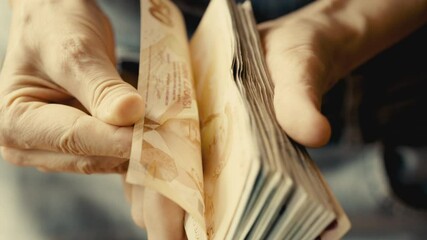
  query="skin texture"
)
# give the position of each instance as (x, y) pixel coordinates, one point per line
(68, 111)
(309, 50)
(64, 108)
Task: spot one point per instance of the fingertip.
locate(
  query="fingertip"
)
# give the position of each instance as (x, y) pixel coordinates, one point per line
(315, 134)
(126, 109)
(299, 116)
(310, 131)
(129, 108)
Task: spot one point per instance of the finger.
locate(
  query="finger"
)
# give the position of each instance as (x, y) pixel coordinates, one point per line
(72, 102)
(137, 204)
(298, 113)
(60, 162)
(127, 188)
(164, 219)
(300, 78)
(60, 128)
(88, 73)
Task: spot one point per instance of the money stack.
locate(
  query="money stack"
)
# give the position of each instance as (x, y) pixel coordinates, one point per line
(210, 141)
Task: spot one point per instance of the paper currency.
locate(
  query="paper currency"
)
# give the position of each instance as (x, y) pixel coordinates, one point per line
(166, 148)
(230, 152)
(234, 171)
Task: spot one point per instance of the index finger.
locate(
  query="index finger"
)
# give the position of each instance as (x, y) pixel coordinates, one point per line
(60, 128)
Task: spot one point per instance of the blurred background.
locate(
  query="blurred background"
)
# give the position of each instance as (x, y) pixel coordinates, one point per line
(376, 163)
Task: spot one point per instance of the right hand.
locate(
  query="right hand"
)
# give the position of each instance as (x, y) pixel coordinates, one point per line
(64, 107)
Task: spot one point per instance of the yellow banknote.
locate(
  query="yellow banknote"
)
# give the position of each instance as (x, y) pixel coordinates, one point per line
(166, 151)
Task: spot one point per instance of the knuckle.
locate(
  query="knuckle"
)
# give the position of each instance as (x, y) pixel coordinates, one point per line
(300, 52)
(4, 124)
(306, 59)
(4, 129)
(75, 51)
(86, 167)
(9, 116)
(71, 140)
(12, 156)
(102, 88)
(122, 142)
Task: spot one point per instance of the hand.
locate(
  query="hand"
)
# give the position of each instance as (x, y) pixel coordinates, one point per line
(309, 50)
(63, 106)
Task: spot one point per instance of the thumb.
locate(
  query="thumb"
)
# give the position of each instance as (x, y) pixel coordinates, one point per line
(114, 101)
(297, 110)
(88, 74)
(108, 97)
(300, 79)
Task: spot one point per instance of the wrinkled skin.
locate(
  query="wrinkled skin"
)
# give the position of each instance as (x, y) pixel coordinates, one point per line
(63, 105)
(64, 108)
(309, 50)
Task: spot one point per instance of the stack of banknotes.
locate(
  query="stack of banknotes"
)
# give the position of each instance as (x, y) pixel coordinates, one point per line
(210, 141)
